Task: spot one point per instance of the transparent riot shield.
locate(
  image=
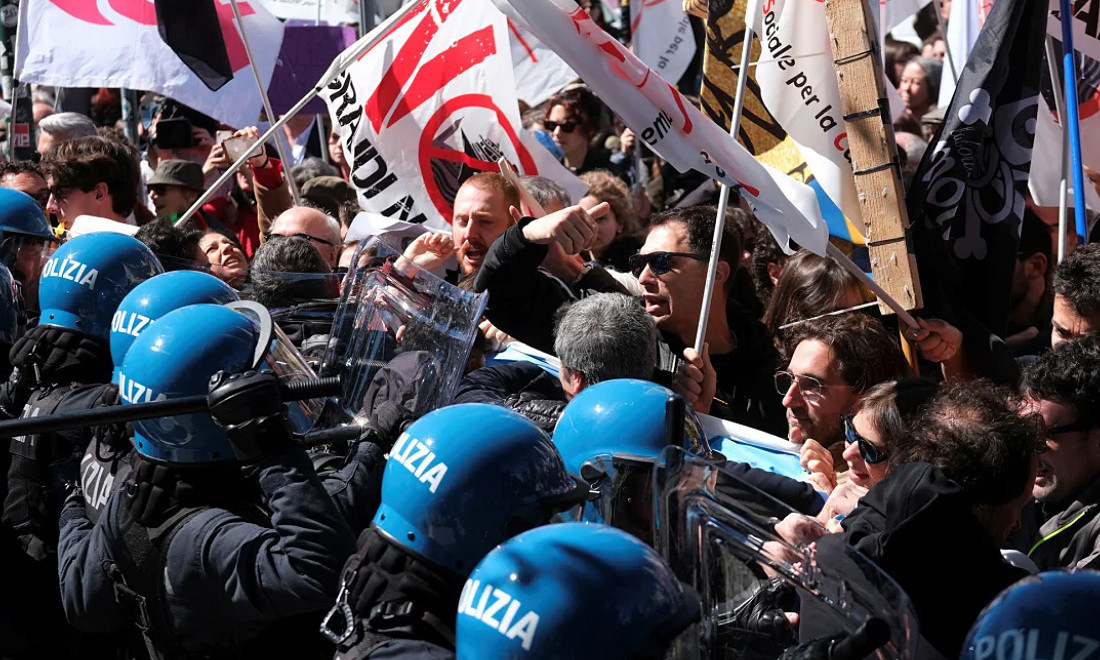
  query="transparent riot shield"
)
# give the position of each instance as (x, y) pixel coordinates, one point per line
(717, 532)
(276, 353)
(399, 334)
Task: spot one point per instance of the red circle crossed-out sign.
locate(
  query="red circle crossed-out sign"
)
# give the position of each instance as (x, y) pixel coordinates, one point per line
(427, 151)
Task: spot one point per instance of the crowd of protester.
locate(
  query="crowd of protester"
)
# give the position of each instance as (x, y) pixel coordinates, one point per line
(955, 480)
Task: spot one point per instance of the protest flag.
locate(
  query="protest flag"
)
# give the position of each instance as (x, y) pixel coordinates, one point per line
(75, 44)
(966, 200)
(667, 122)
(758, 131)
(539, 71)
(430, 104)
(192, 30)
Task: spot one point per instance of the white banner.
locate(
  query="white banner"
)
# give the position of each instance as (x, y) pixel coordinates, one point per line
(1046, 168)
(539, 71)
(333, 12)
(428, 105)
(896, 11)
(116, 44)
(660, 35)
(1046, 164)
(799, 88)
(668, 122)
(965, 21)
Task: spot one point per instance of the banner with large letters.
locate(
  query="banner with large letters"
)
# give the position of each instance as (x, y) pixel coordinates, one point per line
(667, 122)
(798, 86)
(429, 105)
(69, 43)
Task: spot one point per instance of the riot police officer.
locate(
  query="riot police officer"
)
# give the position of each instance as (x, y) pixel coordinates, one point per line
(222, 542)
(572, 590)
(104, 463)
(64, 358)
(459, 481)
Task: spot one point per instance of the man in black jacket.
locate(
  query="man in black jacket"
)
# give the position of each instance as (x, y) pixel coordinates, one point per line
(953, 495)
(530, 272)
(1063, 386)
(733, 377)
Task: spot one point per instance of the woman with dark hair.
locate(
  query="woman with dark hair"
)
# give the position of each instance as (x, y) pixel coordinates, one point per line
(573, 121)
(226, 258)
(811, 285)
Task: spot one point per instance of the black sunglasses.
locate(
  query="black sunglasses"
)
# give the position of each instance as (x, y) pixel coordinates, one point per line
(269, 236)
(565, 126)
(870, 453)
(659, 262)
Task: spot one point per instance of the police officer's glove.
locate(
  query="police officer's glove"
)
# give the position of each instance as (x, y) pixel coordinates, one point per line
(387, 422)
(873, 633)
(48, 349)
(249, 406)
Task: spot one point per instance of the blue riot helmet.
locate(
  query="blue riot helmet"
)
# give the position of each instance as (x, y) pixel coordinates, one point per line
(1050, 615)
(611, 433)
(464, 478)
(572, 591)
(86, 279)
(157, 296)
(26, 240)
(175, 357)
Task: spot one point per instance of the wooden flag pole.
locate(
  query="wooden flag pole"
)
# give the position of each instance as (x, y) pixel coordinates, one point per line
(873, 150)
(874, 155)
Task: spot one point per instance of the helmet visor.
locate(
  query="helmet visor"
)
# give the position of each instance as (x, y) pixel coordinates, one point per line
(28, 257)
(277, 354)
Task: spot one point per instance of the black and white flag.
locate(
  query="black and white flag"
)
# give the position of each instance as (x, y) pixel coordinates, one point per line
(966, 201)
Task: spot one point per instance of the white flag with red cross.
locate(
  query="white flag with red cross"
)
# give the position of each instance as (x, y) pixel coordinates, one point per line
(669, 123)
(84, 43)
(429, 105)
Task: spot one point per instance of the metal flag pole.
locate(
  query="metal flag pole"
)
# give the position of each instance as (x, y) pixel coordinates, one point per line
(267, 101)
(1063, 185)
(724, 193)
(345, 60)
(1073, 119)
(946, 44)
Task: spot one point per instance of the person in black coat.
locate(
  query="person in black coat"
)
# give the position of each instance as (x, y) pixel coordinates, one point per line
(936, 522)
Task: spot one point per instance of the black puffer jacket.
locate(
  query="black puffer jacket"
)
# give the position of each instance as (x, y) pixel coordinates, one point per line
(521, 386)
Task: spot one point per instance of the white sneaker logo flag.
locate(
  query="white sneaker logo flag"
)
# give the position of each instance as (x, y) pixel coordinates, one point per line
(668, 123)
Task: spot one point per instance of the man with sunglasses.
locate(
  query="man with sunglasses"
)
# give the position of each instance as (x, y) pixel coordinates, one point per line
(834, 360)
(314, 226)
(732, 379)
(91, 176)
(26, 177)
(1063, 386)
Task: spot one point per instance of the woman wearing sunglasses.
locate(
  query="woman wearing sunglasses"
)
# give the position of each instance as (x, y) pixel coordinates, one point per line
(573, 120)
(878, 427)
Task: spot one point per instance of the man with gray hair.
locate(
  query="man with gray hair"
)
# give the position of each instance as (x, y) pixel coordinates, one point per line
(601, 337)
(546, 192)
(63, 127)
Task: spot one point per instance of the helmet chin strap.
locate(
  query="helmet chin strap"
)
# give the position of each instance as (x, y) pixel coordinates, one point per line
(265, 325)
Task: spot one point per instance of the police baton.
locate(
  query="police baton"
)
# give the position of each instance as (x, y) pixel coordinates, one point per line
(289, 390)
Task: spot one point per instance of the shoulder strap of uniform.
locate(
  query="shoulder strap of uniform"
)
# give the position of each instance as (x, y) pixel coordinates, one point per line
(138, 581)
